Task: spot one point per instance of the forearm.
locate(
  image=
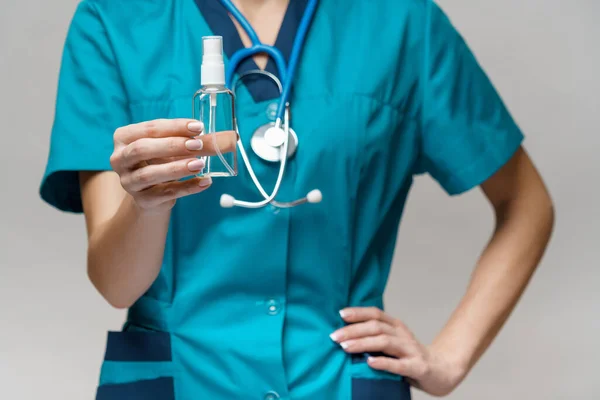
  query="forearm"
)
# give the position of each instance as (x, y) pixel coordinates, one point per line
(125, 253)
(522, 232)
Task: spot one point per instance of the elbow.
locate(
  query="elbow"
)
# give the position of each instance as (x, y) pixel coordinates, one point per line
(547, 214)
(534, 209)
(117, 302)
(119, 305)
(110, 290)
(541, 218)
(546, 217)
(551, 217)
(114, 297)
(530, 220)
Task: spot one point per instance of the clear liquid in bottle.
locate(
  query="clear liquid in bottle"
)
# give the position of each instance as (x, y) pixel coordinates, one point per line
(213, 104)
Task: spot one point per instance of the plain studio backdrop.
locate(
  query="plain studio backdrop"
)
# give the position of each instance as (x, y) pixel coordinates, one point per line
(542, 55)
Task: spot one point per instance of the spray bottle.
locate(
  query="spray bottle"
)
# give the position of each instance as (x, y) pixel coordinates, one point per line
(213, 104)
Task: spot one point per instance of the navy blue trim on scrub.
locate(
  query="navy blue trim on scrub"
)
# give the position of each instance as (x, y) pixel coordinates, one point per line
(377, 388)
(362, 357)
(151, 389)
(380, 389)
(218, 20)
(138, 346)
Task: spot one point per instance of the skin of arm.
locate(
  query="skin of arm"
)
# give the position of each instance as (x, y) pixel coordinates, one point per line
(524, 222)
(127, 210)
(125, 242)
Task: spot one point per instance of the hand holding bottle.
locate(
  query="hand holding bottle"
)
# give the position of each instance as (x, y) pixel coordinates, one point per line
(152, 157)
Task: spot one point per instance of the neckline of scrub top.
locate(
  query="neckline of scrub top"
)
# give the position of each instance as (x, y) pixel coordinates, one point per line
(219, 22)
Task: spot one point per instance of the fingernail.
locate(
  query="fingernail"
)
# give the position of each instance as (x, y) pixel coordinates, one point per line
(205, 181)
(335, 336)
(196, 165)
(194, 144)
(344, 345)
(195, 126)
(371, 360)
(344, 313)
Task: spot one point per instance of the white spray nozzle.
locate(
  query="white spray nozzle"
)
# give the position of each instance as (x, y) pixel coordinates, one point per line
(212, 46)
(213, 68)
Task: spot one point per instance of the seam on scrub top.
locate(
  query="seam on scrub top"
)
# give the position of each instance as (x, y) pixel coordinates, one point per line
(498, 156)
(94, 7)
(424, 65)
(395, 107)
(160, 100)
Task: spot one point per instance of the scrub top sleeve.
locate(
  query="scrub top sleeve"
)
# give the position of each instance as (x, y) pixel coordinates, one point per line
(90, 104)
(467, 133)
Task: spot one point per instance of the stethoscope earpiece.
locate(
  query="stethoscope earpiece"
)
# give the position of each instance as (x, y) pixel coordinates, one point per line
(314, 196)
(227, 201)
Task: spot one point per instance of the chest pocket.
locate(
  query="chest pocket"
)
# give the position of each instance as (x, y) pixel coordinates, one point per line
(177, 107)
(349, 137)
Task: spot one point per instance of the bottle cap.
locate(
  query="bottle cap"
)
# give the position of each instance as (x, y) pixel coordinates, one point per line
(212, 71)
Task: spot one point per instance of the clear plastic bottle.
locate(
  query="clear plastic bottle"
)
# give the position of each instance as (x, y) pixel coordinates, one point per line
(213, 104)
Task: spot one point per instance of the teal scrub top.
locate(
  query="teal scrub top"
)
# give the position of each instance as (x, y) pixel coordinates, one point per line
(246, 299)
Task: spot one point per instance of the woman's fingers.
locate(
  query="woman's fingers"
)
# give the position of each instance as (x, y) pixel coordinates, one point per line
(408, 367)
(154, 174)
(224, 141)
(158, 128)
(152, 157)
(390, 344)
(171, 191)
(146, 149)
(362, 314)
(384, 343)
(371, 330)
(357, 330)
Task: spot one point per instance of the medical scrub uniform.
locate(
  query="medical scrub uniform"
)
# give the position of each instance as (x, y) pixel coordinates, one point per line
(246, 299)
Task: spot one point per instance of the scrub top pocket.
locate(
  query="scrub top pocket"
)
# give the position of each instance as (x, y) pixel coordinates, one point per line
(371, 384)
(137, 365)
(150, 389)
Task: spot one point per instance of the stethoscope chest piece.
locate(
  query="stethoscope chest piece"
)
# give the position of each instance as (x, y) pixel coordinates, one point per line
(267, 147)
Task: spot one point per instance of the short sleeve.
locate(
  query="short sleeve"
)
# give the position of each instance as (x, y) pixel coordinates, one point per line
(90, 105)
(467, 132)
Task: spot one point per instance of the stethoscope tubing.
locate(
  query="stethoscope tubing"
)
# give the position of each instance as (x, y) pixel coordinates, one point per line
(286, 74)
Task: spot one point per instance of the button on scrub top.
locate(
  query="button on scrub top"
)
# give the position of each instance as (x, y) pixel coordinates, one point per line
(246, 299)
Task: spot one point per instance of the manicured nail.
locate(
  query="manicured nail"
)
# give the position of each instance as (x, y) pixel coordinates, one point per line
(344, 313)
(194, 144)
(196, 165)
(195, 126)
(205, 181)
(335, 336)
(344, 345)
(371, 360)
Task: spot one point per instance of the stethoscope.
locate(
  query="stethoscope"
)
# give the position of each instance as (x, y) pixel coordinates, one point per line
(271, 142)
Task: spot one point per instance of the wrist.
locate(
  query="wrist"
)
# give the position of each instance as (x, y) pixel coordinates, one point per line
(453, 360)
(160, 211)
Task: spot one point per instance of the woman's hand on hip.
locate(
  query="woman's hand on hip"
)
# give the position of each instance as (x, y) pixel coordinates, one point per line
(370, 330)
(152, 157)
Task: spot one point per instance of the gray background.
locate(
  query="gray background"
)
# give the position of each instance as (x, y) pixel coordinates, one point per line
(543, 56)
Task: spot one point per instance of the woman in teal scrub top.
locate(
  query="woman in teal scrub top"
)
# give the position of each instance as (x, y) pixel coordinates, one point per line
(283, 303)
